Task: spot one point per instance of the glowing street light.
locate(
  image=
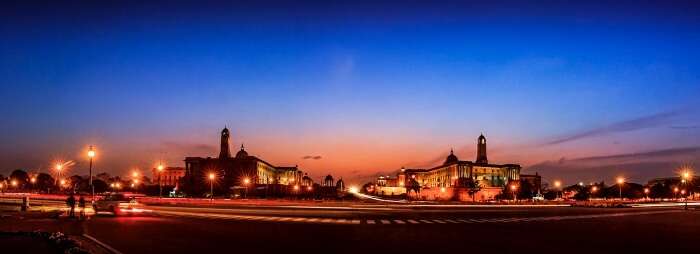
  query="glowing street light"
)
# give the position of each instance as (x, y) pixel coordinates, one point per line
(211, 181)
(246, 182)
(91, 154)
(557, 184)
(593, 190)
(160, 183)
(620, 182)
(513, 187)
(58, 168)
(353, 189)
(646, 192)
(14, 183)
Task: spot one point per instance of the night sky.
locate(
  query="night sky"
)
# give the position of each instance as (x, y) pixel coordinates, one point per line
(578, 92)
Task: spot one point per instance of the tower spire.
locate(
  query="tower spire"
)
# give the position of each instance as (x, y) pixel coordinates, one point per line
(225, 151)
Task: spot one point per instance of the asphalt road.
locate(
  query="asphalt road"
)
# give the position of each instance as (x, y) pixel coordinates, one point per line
(615, 230)
(393, 229)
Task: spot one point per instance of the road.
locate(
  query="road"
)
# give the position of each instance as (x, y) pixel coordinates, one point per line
(392, 229)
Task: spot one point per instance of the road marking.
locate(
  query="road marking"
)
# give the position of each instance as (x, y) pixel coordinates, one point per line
(452, 221)
(464, 221)
(412, 221)
(341, 221)
(440, 221)
(399, 222)
(426, 221)
(385, 221)
(371, 222)
(356, 222)
(104, 245)
(326, 220)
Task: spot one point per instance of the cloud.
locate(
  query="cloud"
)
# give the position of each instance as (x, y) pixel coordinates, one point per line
(685, 127)
(190, 147)
(312, 157)
(645, 122)
(639, 166)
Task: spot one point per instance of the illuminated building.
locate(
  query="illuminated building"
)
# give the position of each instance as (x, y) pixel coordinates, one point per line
(170, 176)
(453, 179)
(263, 177)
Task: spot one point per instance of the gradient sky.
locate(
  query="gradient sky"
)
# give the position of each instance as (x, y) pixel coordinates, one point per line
(578, 92)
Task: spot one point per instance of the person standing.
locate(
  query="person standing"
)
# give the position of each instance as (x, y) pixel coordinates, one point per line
(81, 204)
(71, 204)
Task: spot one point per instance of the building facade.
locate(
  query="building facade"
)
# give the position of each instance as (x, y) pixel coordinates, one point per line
(170, 176)
(454, 179)
(240, 172)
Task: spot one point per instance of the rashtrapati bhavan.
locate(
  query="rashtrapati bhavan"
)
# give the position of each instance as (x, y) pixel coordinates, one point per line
(453, 180)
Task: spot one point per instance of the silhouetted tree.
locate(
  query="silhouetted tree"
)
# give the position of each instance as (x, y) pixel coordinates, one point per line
(21, 177)
(45, 182)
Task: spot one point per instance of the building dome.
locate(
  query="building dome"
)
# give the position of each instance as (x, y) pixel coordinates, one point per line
(328, 181)
(340, 184)
(242, 153)
(452, 158)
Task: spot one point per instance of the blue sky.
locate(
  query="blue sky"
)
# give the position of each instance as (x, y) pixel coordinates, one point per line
(368, 86)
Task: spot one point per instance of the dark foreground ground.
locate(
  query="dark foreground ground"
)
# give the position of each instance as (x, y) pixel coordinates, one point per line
(664, 232)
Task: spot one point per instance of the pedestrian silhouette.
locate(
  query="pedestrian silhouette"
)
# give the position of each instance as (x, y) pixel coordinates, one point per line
(81, 204)
(71, 203)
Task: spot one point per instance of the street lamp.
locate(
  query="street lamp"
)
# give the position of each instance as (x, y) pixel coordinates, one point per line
(160, 183)
(557, 184)
(686, 177)
(59, 167)
(246, 181)
(675, 193)
(211, 181)
(512, 189)
(91, 154)
(593, 190)
(620, 182)
(646, 193)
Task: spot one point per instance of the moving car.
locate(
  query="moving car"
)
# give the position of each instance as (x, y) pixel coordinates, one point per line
(117, 204)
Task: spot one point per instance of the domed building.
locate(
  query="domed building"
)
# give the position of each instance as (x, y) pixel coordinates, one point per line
(239, 172)
(328, 181)
(452, 179)
(340, 185)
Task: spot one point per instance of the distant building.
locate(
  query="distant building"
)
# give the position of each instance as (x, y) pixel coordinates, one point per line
(453, 179)
(242, 172)
(170, 176)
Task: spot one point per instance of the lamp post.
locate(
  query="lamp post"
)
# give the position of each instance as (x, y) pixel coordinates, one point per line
(686, 177)
(620, 182)
(557, 184)
(91, 154)
(246, 181)
(211, 184)
(593, 190)
(59, 167)
(675, 193)
(646, 193)
(513, 188)
(160, 183)
(33, 181)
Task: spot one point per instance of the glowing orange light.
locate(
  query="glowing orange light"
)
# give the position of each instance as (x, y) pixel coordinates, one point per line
(211, 176)
(59, 166)
(443, 189)
(160, 167)
(296, 187)
(14, 182)
(309, 188)
(620, 180)
(33, 179)
(675, 189)
(557, 184)
(135, 174)
(682, 191)
(91, 153)
(63, 182)
(594, 188)
(246, 181)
